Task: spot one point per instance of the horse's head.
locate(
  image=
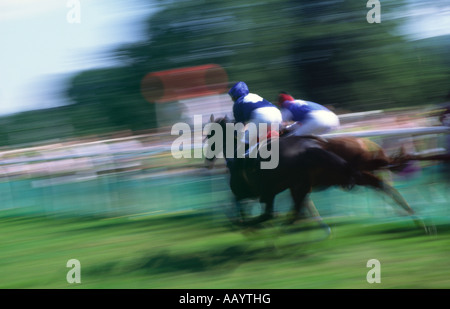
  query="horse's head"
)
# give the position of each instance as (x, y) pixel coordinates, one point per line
(218, 144)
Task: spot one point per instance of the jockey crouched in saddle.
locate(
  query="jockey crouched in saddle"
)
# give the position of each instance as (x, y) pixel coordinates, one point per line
(251, 108)
(308, 117)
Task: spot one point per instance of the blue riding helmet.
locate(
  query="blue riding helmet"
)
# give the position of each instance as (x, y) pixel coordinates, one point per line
(240, 89)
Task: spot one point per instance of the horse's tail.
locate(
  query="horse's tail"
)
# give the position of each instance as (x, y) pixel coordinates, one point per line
(400, 160)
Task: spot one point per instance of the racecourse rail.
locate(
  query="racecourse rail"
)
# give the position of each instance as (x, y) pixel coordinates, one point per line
(152, 150)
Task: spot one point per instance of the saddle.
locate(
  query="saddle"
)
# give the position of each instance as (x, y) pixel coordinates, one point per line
(249, 148)
(289, 129)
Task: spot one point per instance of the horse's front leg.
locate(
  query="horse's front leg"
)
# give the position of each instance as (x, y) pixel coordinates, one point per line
(240, 213)
(268, 209)
(299, 194)
(268, 212)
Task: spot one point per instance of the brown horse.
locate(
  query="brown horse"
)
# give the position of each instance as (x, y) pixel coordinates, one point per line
(299, 161)
(309, 163)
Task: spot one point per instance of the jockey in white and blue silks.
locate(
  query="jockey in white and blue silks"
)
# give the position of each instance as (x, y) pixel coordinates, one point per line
(308, 117)
(251, 108)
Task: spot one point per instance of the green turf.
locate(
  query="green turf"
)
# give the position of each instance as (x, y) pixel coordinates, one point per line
(199, 249)
(136, 231)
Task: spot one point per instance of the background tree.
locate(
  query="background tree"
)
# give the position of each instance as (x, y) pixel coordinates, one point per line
(324, 51)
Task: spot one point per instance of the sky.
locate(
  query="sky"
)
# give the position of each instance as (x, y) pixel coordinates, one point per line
(427, 18)
(38, 46)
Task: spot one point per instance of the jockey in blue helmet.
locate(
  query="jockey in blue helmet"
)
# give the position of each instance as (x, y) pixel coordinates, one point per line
(308, 117)
(250, 107)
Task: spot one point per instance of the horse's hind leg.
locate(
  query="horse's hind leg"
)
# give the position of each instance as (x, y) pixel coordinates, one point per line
(316, 216)
(299, 194)
(302, 200)
(371, 180)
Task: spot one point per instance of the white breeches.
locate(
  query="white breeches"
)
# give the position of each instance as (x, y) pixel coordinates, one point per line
(318, 122)
(263, 115)
(266, 115)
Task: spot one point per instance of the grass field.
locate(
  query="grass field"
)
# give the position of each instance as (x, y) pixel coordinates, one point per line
(198, 250)
(170, 232)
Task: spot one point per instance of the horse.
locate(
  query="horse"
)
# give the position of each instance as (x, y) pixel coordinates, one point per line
(308, 163)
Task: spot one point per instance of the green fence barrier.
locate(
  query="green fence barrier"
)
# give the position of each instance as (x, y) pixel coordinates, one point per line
(146, 193)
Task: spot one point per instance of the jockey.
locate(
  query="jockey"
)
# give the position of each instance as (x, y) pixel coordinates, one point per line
(251, 108)
(308, 117)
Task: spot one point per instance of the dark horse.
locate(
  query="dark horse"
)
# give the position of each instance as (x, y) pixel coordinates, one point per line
(307, 163)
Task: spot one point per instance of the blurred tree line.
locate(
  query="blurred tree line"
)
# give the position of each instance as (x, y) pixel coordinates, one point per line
(323, 51)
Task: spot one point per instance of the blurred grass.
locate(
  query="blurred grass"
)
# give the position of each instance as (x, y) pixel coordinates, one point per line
(197, 250)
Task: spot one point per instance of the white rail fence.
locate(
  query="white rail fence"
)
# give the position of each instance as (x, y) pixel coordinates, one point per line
(121, 151)
(395, 132)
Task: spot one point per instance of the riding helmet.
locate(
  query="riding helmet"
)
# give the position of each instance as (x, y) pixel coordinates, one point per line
(238, 90)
